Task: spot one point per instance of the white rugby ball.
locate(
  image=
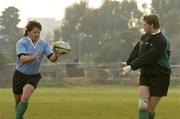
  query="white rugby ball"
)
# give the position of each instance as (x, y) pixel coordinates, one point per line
(61, 47)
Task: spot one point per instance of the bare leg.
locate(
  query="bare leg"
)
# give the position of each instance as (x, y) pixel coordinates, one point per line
(153, 101)
(23, 104)
(144, 94)
(27, 92)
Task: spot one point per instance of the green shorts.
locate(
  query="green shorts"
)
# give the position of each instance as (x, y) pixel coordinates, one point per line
(20, 79)
(158, 84)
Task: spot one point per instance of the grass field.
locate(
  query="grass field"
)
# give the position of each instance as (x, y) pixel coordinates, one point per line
(87, 103)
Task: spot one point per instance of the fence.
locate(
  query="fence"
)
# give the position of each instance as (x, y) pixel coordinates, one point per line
(58, 74)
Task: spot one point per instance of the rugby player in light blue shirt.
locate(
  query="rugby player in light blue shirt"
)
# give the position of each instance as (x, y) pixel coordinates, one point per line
(30, 51)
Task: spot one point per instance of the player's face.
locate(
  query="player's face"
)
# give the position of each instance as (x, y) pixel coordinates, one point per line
(34, 34)
(147, 27)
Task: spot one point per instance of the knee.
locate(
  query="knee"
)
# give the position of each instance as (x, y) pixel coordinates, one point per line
(25, 97)
(143, 103)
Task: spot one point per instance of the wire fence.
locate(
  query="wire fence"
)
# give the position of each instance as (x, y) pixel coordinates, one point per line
(59, 74)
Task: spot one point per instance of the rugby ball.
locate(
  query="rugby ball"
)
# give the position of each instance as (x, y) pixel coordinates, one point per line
(61, 47)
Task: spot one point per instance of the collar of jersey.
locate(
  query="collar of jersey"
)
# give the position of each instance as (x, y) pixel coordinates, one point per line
(158, 31)
(34, 45)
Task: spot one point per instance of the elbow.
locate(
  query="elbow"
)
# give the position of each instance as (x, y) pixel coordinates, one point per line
(53, 61)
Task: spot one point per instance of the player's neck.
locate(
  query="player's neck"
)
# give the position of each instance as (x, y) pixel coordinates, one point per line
(154, 31)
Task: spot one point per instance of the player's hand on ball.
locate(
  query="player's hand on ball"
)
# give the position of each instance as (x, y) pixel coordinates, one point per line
(58, 54)
(126, 70)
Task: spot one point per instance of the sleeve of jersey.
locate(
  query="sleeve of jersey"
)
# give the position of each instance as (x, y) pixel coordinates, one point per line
(48, 51)
(20, 49)
(151, 56)
(134, 54)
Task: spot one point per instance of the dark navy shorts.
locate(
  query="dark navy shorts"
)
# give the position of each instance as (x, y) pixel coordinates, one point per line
(20, 79)
(158, 84)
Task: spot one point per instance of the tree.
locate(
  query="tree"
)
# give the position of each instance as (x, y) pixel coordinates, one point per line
(70, 31)
(8, 23)
(169, 13)
(120, 29)
(108, 32)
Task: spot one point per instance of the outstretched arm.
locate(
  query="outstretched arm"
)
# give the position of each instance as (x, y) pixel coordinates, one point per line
(54, 57)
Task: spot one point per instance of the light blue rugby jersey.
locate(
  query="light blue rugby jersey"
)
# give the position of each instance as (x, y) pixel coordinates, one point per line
(25, 46)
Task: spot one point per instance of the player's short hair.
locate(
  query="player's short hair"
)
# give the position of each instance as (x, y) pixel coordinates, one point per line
(30, 25)
(152, 19)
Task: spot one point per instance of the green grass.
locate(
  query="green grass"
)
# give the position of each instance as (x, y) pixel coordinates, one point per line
(87, 103)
